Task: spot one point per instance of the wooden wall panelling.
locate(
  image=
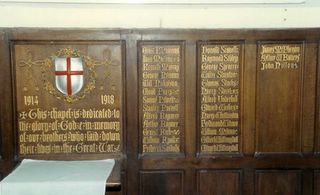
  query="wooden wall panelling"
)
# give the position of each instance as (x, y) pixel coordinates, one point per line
(6, 97)
(220, 85)
(60, 36)
(168, 161)
(36, 34)
(1, 132)
(278, 182)
(248, 181)
(2, 46)
(219, 182)
(316, 182)
(165, 82)
(169, 182)
(53, 35)
(249, 91)
(97, 124)
(177, 174)
(309, 97)
(307, 181)
(132, 165)
(317, 112)
(279, 97)
(161, 70)
(190, 113)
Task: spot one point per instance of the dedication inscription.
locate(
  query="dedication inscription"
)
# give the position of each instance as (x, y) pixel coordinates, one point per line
(219, 73)
(161, 97)
(69, 98)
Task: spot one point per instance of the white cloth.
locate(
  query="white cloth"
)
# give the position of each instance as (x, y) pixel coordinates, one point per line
(41, 177)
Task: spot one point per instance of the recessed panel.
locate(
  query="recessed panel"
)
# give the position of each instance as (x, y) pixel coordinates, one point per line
(219, 85)
(316, 183)
(278, 107)
(219, 182)
(69, 98)
(161, 182)
(278, 182)
(161, 97)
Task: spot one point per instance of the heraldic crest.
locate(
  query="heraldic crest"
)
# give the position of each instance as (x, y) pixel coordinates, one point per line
(68, 74)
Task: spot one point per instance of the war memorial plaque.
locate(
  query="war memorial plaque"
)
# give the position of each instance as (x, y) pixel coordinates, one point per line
(219, 70)
(69, 98)
(280, 71)
(161, 97)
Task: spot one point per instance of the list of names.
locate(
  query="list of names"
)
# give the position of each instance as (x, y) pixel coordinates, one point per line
(161, 98)
(219, 97)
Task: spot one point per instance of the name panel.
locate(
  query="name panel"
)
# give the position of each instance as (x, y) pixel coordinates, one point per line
(161, 97)
(68, 98)
(219, 71)
(278, 108)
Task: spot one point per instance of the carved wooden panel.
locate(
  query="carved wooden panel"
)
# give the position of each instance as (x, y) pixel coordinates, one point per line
(219, 87)
(219, 182)
(161, 80)
(69, 98)
(161, 182)
(278, 108)
(278, 182)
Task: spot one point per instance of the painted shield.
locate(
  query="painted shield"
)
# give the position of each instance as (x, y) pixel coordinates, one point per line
(69, 75)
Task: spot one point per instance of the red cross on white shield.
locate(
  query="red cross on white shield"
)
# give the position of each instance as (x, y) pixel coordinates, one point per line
(69, 75)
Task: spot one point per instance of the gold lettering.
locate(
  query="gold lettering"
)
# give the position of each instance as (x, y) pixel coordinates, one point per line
(222, 74)
(169, 116)
(151, 140)
(208, 49)
(219, 139)
(150, 116)
(219, 131)
(25, 149)
(170, 140)
(168, 100)
(280, 56)
(160, 98)
(31, 100)
(170, 108)
(225, 98)
(150, 132)
(147, 75)
(230, 49)
(220, 66)
(219, 148)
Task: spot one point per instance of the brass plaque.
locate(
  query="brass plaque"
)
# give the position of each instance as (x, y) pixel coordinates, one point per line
(219, 97)
(161, 97)
(69, 98)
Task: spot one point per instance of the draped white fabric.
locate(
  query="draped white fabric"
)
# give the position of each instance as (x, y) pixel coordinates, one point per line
(41, 177)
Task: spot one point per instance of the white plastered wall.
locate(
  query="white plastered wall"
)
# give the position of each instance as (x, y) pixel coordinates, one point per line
(74, 15)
